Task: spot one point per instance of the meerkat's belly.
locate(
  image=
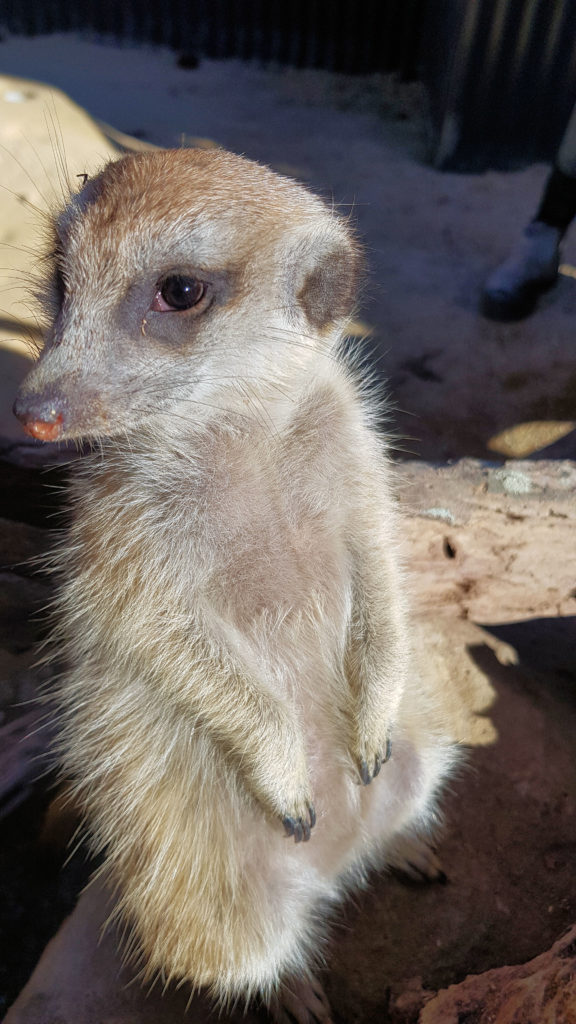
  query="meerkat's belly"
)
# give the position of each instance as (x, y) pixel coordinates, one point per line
(210, 886)
(278, 569)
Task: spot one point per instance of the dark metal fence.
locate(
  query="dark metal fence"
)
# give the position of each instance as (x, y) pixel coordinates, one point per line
(501, 74)
(354, 36)
(501, 77)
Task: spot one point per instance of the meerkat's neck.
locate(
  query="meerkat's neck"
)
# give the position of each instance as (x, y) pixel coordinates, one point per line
(256, 399)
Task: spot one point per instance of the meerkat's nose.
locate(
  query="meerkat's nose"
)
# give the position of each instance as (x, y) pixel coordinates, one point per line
(41, 419)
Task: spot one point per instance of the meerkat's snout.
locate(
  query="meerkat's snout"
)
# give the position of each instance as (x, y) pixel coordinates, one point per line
(232, 612)
(42, 414)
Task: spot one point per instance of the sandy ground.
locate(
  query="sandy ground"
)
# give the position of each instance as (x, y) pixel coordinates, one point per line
(456, 380)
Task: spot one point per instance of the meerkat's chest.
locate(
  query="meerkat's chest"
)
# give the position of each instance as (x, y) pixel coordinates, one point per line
(275, 540)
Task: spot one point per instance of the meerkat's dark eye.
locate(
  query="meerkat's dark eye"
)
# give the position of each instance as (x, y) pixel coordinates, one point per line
(177, 293)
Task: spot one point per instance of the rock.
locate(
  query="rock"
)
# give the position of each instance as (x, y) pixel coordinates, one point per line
(539, 992)
(405, 1007)
(489, 543)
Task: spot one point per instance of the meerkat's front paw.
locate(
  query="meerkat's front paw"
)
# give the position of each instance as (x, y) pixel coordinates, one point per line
(300, 825)
(370, 762)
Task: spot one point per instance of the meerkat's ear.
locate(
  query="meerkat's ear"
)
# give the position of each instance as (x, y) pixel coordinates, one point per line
(326, 274)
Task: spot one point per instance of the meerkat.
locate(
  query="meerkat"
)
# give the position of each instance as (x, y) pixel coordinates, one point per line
(241, 718)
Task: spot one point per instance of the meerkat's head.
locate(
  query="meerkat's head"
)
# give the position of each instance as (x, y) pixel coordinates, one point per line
(183, 275)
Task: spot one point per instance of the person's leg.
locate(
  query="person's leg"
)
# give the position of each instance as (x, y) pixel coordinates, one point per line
(512, 290)
(566, 156)
(558, 204)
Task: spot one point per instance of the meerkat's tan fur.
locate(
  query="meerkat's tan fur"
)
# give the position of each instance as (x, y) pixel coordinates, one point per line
(231, 609)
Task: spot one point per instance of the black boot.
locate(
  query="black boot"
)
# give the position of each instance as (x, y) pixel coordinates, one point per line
(512, 290)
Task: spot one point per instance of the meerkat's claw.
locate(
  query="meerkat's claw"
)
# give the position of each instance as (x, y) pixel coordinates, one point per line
(300, 828)
(367, 774)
